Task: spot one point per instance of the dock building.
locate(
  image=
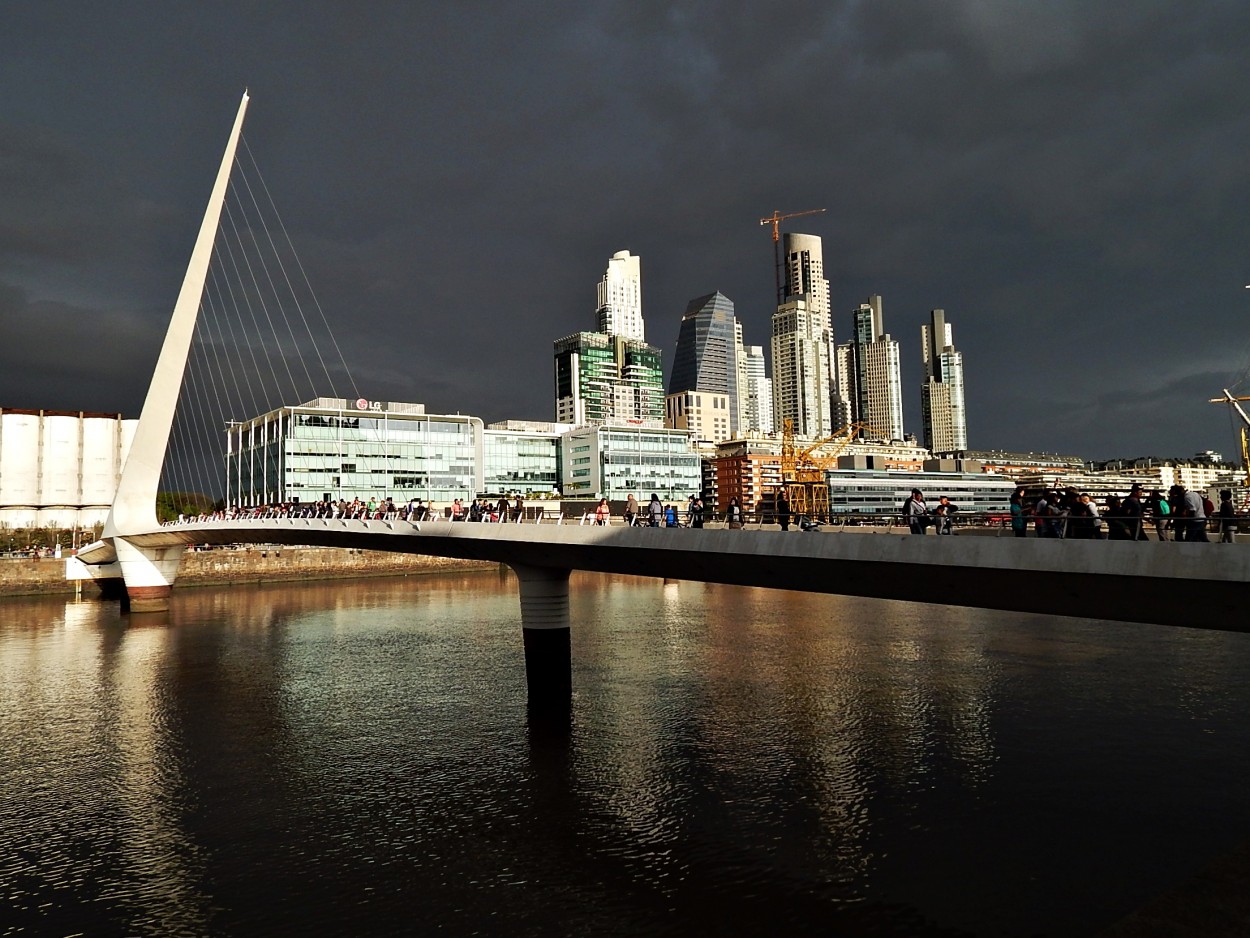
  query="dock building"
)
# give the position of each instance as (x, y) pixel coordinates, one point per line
(60, 468)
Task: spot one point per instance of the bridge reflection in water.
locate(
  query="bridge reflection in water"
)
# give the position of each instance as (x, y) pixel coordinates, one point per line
(330, 757)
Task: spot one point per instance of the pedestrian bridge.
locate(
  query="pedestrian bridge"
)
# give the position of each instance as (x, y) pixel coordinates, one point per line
(1170, 583)
(1196, 585)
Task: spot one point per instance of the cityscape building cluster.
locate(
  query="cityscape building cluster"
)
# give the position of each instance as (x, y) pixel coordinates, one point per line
(718, 430)
(720, 388)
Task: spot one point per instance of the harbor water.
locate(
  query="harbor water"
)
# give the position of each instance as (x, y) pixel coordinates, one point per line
(356, 757)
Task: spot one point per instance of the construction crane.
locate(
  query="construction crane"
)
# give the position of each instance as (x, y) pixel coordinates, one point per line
(803, 471)
(1229, 398)
(775, 219)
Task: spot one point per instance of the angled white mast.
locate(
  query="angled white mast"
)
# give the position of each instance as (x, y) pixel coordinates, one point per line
(134, 508)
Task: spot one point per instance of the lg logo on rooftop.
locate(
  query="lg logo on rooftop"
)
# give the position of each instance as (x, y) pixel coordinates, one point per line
(362, 404)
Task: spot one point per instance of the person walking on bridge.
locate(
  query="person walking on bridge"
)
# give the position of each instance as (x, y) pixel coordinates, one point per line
(695, 513)
(1228, 517)
(783, 510)
(631, 509)
(916, 512)
(1019, 520)
(1192, 520)
(655, 511)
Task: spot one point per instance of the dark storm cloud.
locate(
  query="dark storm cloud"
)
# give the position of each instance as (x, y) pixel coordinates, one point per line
(1065, 179)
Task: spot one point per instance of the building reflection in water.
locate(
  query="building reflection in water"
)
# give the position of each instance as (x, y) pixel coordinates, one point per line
(319, 741)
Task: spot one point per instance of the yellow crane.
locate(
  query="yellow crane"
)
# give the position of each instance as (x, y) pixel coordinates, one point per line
(775, 219)
(803, 471)
(1229, 398)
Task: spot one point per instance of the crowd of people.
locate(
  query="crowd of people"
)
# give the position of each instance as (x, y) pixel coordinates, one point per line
(1180, 515)
(373, 509)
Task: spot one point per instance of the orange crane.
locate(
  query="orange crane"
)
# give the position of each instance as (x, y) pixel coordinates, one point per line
(775, 219)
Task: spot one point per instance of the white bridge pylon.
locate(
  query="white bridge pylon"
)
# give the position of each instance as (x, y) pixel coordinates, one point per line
(148, 572)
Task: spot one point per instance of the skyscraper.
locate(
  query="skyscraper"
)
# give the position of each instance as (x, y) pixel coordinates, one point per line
(800, 353)
(620, 297)
(942, 394)
(759, 394)
(873, 384)
(706, 358)
(802, 342)
(609, 376)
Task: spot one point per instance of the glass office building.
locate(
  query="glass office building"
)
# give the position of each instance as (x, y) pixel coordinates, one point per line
(330, 449)
(521, 456)
(882, 492)
(616, 461)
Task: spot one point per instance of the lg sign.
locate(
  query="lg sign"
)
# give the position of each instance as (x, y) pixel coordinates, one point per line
(362, 404)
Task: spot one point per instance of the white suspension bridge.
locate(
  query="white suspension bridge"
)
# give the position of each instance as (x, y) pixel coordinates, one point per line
(209, 382)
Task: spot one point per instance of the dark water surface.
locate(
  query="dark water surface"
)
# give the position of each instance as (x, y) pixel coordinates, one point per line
(356, 758)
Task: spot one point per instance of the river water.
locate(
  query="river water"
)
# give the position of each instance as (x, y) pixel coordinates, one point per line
(356, 757)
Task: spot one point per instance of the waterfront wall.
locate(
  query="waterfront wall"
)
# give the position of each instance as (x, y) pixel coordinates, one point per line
(254, 565)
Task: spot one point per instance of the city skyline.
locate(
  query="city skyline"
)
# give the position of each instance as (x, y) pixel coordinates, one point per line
(1060, 178)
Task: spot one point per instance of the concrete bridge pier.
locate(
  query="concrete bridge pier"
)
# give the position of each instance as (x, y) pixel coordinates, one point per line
(545, 627)
(149, 573)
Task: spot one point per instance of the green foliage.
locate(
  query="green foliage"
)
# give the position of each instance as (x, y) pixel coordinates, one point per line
(169, 505)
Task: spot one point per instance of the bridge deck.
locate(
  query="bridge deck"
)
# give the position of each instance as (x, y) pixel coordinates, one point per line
(1196, 585)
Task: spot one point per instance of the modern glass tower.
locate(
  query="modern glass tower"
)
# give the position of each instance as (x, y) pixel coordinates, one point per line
(611, 376)
(706, 358)
(942, 394)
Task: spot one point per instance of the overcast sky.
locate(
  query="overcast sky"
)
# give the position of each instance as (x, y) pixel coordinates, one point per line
(1068, 180)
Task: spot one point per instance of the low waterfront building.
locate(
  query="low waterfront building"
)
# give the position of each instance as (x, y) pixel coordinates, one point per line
(58, 468)
(615, 461)
(882, 492)
(1198, 474)
(521, 456)
(1002, 462)
(329, 449)
(904, 454)
(1119, 477)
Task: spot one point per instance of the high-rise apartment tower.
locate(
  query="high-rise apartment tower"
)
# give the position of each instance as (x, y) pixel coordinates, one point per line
(620, 297)
(611, 376)
(873, 380)
(942, 394)
(802, 342)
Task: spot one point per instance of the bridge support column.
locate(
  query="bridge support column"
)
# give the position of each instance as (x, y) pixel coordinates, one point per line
(149, 573)
(545, 627)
